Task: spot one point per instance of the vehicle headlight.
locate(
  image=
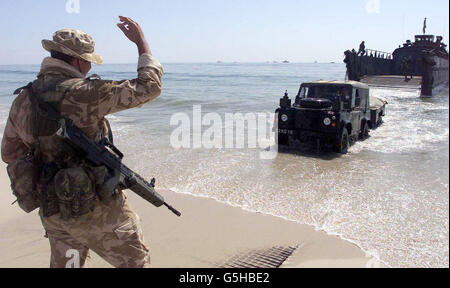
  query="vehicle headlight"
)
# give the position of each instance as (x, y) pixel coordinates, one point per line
(327, 121)
(284, 118)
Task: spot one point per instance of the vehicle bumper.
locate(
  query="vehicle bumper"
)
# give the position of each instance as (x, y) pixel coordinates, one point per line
(308, 136)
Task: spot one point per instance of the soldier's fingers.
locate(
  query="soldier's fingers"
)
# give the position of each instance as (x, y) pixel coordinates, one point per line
(124, 23)
(122, 27)
(130, 23)
(131, 20)
(125, 20)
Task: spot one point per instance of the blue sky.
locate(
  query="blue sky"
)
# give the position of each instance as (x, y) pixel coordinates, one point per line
(231, 30)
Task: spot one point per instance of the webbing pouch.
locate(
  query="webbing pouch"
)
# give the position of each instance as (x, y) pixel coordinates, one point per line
(21, 173)
(75, 191)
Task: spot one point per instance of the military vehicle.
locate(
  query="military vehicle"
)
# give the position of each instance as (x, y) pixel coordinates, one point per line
(328, 113)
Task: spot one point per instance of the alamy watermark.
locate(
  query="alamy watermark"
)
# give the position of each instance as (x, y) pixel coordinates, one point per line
(74, 258)
(73, 6)
(373, 6)
(229, 131)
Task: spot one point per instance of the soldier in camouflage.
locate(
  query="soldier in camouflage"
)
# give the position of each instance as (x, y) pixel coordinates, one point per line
(109, 228)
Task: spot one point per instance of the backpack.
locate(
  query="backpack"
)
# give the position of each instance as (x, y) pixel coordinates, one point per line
(57, 187)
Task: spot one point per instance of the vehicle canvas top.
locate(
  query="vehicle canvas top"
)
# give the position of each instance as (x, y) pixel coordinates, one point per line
(354, 84)
(330, 94)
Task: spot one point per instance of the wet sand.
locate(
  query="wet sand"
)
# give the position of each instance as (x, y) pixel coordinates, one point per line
(207, 234)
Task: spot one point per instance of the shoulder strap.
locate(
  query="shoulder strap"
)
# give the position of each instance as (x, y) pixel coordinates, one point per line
(40, 108)
(18, 90)
(46, 109)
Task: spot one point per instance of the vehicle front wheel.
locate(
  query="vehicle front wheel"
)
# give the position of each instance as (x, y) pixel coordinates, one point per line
(365, 131)
(343, 142)
(380, 119)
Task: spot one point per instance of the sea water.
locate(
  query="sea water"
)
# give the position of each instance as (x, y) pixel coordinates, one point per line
(389, 195)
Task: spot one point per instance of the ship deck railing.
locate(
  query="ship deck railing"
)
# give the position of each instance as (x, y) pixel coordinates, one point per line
(377, 54)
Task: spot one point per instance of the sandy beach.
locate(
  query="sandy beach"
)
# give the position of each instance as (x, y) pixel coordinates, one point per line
(207, 235)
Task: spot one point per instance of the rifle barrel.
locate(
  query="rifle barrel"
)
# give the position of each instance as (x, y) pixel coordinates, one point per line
(175, 211)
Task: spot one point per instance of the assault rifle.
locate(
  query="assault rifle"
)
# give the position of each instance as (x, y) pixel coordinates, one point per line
(106, 154)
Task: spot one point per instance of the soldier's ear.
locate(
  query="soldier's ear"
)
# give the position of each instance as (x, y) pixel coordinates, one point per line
(75, 63)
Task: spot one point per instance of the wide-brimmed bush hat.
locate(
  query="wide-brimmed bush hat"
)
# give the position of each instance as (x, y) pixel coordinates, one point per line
(74, 43)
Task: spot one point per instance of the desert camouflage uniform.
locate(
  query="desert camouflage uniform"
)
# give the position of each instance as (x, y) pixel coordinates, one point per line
(111, 230)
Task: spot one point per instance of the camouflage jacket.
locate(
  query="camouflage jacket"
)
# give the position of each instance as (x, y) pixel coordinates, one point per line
(86, 102)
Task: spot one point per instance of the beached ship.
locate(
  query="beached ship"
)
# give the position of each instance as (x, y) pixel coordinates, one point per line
(421, 64)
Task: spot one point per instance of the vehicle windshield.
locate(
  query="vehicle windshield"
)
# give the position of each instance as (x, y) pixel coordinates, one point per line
(330, 92)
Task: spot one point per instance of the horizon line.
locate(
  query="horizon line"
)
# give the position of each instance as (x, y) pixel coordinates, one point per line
(203, 62)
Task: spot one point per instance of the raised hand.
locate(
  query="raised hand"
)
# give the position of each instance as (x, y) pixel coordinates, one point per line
(134, 33)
